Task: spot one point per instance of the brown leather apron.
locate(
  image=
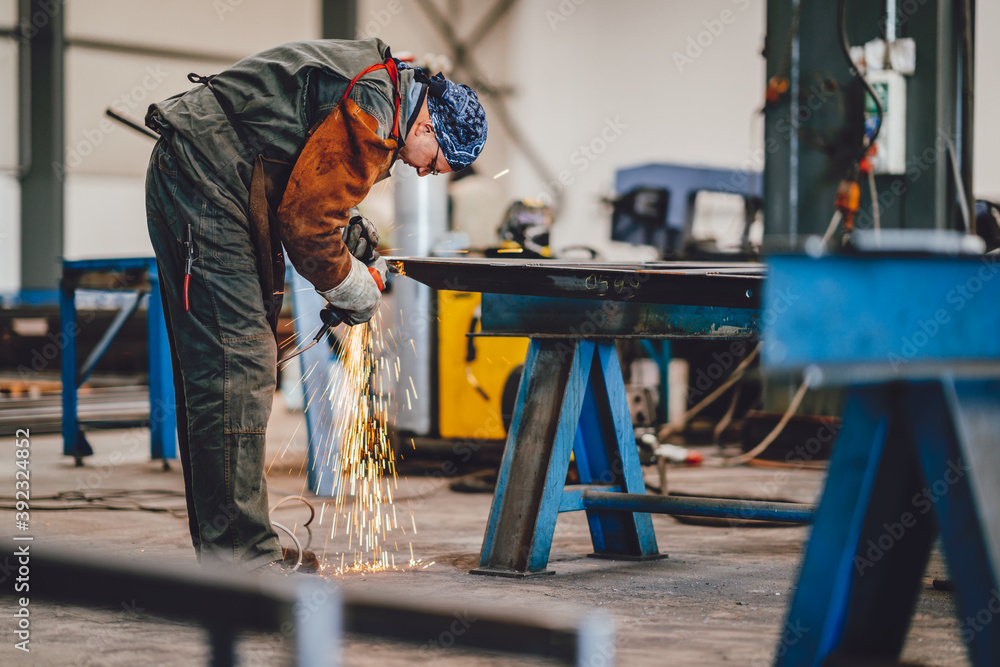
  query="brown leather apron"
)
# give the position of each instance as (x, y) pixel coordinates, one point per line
(268, 185)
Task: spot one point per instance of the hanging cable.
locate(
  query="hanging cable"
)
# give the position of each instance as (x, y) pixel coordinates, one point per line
(845, 48)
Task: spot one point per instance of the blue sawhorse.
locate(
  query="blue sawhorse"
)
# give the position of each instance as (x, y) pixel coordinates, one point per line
(140, 277)
(918, 454)
(571, 399)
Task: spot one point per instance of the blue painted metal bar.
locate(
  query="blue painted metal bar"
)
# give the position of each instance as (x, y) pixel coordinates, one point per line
(622, 534)
(162, 419)
(945, 318)
(162, 410)
(109, 264)
(317, 370)
(126, 312)
(659, 351)
(69, 329)
(511, 448)
(829, 558)
(955, 428)
(562, 446)
(537, 316)
(737, 510)
(572, 495)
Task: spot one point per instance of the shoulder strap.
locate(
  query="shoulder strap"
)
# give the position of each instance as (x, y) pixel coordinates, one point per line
(390, 67)
(248, 144)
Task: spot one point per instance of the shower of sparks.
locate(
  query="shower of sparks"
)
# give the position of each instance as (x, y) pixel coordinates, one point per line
(365, 473)
(501, 174)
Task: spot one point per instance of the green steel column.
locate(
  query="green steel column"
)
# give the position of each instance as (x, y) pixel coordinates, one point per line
(42, 187)
(340, 19)
(800, 178)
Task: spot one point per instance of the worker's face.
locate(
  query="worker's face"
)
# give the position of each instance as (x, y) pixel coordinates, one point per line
(422, 151)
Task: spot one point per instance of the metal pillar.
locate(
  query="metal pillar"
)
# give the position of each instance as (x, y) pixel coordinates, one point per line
(339, 19)
(800, 179)
(318, 369)
(422, 217)
(41, 24)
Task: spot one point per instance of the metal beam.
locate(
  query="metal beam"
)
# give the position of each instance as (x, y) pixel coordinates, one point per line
(42, 188)
(737, 510)
(339, 19)
(226, 603)
(547, 317)
(684, 283)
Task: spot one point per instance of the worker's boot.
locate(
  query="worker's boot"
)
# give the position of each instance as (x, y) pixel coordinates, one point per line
(290, 556)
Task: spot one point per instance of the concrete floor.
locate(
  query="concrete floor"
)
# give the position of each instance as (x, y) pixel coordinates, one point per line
(719, 598)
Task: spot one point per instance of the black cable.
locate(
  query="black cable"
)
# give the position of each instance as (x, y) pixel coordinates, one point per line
(845, 48)
(117, 500)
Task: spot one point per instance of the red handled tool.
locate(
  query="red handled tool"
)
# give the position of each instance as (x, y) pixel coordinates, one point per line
(189, 249)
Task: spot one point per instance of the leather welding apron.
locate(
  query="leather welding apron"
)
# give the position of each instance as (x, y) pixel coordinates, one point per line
(269, 191)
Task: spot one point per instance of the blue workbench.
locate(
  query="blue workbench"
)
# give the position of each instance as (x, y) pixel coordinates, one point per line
(914, 339)
(572, 400)
(138, 281)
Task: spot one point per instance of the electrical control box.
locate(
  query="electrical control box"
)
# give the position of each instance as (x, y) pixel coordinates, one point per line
(890, 86)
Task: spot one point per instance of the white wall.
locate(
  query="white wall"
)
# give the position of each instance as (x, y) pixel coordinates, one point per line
(603, 91)
(986, 150)
(10, 210)
(105, 162)
(578, 69)
(581, 68)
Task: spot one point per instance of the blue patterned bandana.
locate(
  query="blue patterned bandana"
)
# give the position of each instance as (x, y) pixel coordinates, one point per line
(459, 120)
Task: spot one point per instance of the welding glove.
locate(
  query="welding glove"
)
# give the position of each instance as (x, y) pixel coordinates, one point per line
(361, 238)
(358, 294)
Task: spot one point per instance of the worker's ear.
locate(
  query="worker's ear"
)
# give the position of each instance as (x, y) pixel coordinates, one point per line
(425, 126)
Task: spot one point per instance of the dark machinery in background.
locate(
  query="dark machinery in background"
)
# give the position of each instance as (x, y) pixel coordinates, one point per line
(868, 124)
(656, 206)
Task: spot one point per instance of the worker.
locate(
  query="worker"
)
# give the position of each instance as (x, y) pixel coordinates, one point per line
(275, 152)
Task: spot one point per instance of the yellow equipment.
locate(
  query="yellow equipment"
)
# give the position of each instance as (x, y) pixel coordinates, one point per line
(472, 371)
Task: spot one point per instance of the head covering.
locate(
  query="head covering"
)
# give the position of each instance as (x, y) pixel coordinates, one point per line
(458, 117)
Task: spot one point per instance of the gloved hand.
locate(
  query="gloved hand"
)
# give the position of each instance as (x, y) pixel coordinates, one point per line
(378, 264)
(358, 295)
(361, 238)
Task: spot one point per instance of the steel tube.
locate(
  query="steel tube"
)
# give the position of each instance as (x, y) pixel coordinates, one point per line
(746, 510)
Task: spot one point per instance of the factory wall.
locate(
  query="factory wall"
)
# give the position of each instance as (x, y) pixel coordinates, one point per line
(594, 86)
(10, 223)
(105, 162)
(597, 86)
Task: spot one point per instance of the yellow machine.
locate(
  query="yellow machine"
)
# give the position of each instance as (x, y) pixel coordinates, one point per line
(472, 371)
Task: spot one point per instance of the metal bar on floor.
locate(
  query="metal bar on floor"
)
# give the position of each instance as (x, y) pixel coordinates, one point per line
(743, 510)
(568, 638)
(123, 316)
(225, 603)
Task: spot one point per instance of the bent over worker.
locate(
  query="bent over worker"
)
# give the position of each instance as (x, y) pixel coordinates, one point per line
(275, 153)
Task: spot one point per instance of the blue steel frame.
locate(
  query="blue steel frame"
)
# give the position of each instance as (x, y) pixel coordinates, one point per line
(572, 399)
(917, 455)
(162, 415)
